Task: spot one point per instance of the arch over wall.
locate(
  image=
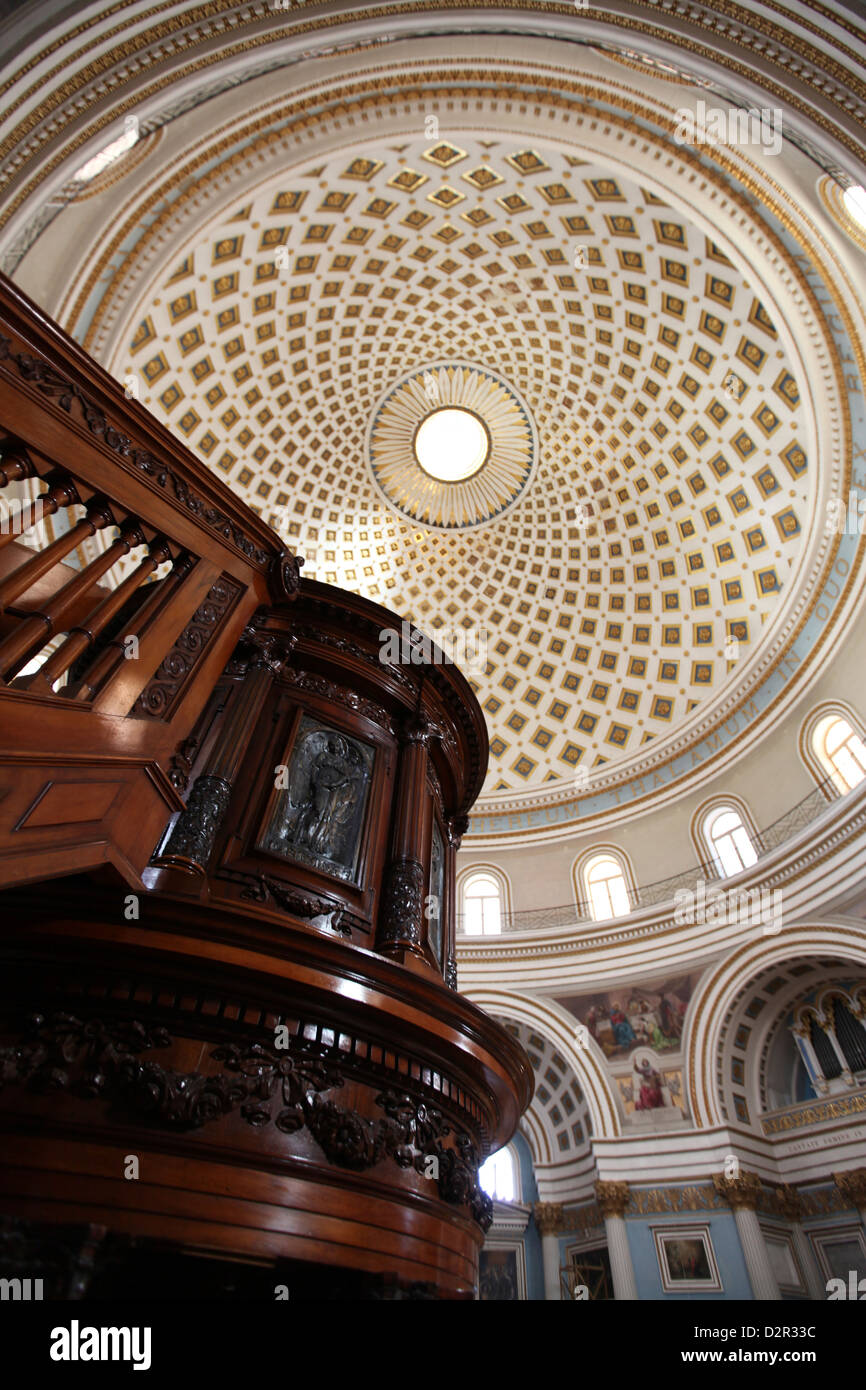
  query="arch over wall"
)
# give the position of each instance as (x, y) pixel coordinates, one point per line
(560, 1027)
(843, 937)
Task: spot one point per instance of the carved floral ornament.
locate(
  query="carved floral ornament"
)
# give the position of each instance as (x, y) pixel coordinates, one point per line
(287, 1088)
(53, 384)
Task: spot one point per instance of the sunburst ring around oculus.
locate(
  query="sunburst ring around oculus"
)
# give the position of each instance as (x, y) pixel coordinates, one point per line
(494, 446)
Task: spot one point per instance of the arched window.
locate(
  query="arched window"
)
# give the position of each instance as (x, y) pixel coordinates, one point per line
(728, 840)
(482, 905)
(498, 1176)
(840, 751)
(606, 888)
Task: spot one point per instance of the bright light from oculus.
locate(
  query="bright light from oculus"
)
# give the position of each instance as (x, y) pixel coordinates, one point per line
(855, 204)
(110, 153)
(451, 444)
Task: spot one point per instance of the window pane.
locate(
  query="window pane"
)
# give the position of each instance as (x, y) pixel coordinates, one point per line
(472, 918)
(492, 916)
(497, 1176)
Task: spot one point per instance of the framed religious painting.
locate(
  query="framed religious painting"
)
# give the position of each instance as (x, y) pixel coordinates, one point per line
(502, 1273)
(687, 1262)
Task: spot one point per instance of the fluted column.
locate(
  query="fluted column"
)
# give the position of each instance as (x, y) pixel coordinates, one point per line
(549, 1220)
(401, 916)
(192, 839)
(791, 1207)
(742, 1195)
(613, 1199)
(852, 1185)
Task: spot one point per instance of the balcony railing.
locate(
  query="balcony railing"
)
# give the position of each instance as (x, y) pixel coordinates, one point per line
(664, 889)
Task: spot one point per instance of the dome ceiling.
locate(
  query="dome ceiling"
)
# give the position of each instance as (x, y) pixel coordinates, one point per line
(669, 492)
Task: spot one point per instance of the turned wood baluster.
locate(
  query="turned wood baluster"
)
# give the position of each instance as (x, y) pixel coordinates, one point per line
(15, 464)
(30, 637)
(107, 659)
(81, 637)
(61, 494)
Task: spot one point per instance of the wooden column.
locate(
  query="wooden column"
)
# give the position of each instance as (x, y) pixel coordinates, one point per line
(457, 827)
(192, 838)
(401, 918)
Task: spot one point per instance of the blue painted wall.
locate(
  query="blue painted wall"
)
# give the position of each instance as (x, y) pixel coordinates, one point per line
(726, 1244)
(532, 1238)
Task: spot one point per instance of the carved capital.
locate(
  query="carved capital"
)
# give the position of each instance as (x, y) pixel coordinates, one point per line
(742, 1193)
(613, 1198)
(549, 1217)
(790, 1202)
(852, 1185)
(416, 728)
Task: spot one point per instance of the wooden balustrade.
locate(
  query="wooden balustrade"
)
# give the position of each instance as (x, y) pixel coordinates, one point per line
(94, 720)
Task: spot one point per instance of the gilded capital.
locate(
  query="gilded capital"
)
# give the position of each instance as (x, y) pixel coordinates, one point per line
(852, 1185)
(612, 1197)
(742, 1193)
(549, 1217)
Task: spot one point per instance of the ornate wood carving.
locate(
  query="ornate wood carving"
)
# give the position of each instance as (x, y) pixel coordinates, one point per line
(401, 915)
(192, 838)
(284, 576)
(160, 695)
(317, 685)
(262, 889)
(52, 383)
(181, 763)
(101, 1058)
